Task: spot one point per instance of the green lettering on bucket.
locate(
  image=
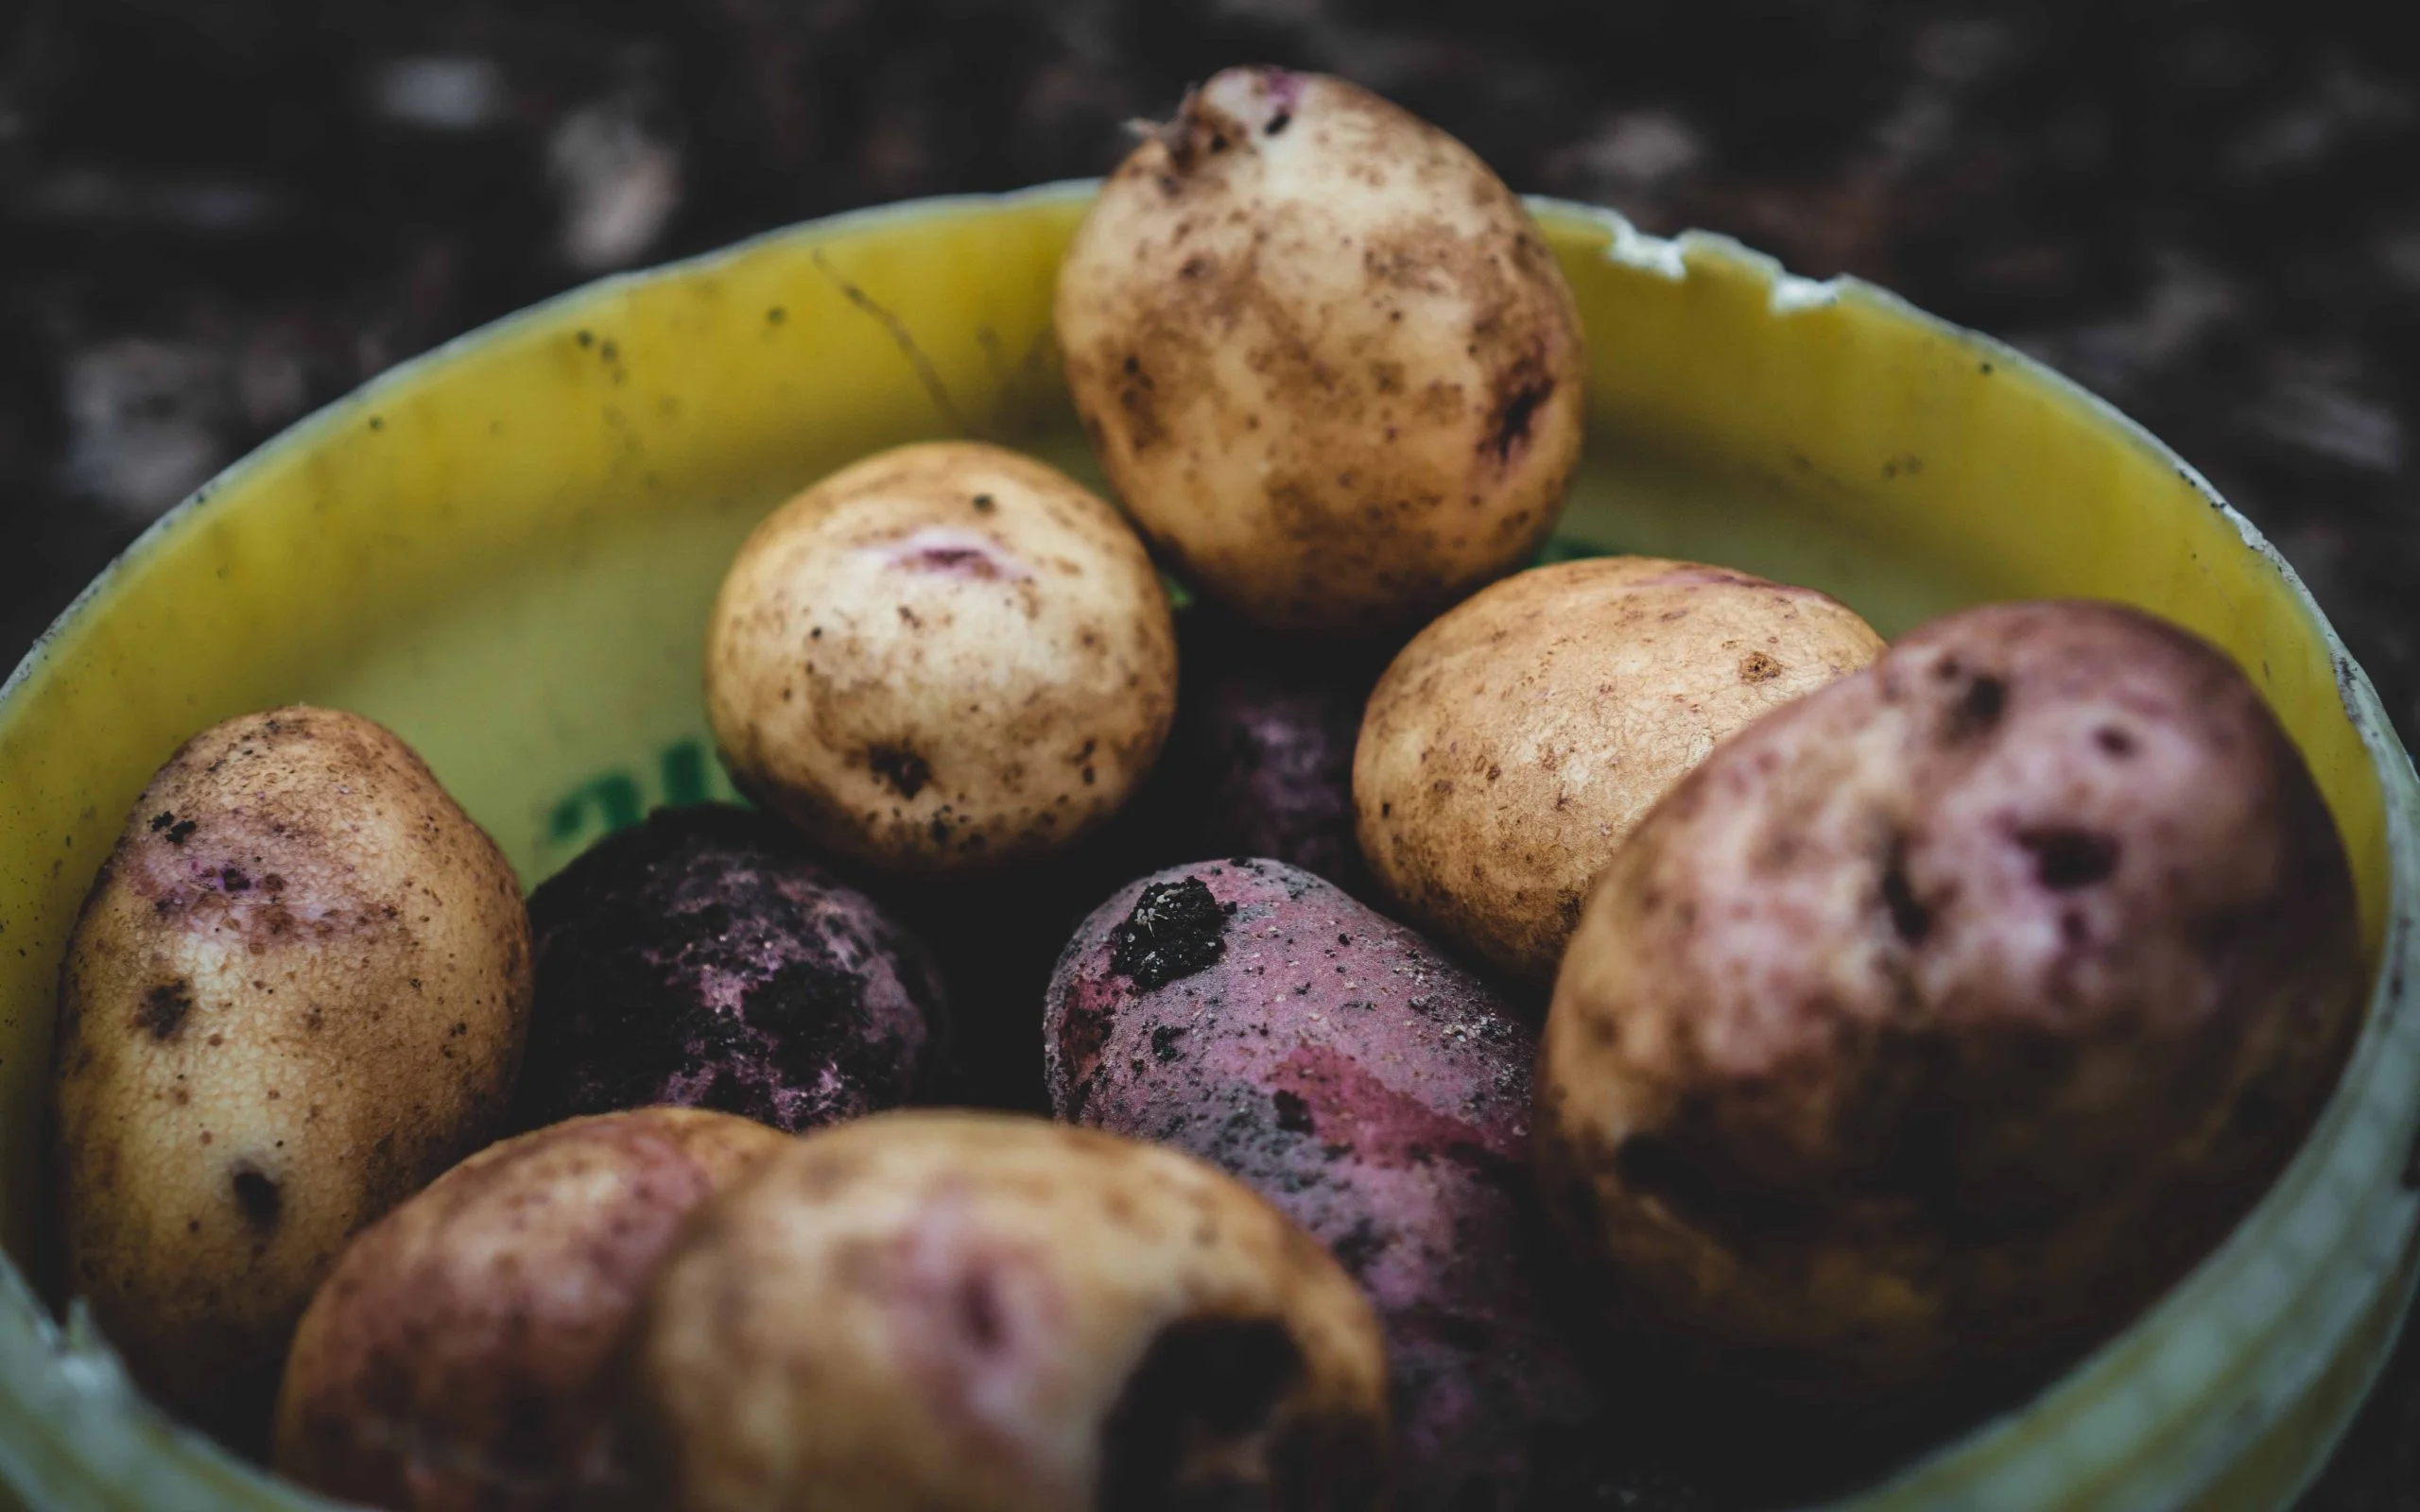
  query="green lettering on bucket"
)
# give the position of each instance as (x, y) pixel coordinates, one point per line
(613, 796)
(685, 773)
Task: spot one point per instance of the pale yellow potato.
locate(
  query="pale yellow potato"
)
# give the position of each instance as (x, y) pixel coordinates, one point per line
(936, 1312)
(1325, 355)
(1514, 744)
(1937, 1022)
(948, 657)
(459, 1355)
(297, 992)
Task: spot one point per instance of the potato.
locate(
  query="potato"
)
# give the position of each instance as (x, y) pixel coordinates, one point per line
(1325, 355)
(1252, 1015)
(1260, 763)
(296, 993)
(956, 1310)
(1516, 741)
(946, 657)
(702, 959)
(458, 1355)
(1937, 1022)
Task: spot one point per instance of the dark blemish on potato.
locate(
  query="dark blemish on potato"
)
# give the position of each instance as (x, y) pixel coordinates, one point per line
(1359, 1244)
(1176, 929)
(2115, 741)
(1293, 1113)
(1163, 1040)
(1508, 426)
(232, 880)
(1660, 1170)
(2066, 859)
(1386, 811)
(1278, 123)
(257, 1196)
(164, 1009)
(981, 1317)
(1757, 667)
(1977, 711)
(179, 832)
(984, 504)
(1910, 919)
(1191, 1431)
(1569, 909)
(162, 821)
(904, 771)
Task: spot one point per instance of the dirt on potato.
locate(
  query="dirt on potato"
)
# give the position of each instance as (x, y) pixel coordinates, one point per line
(1253, 1014)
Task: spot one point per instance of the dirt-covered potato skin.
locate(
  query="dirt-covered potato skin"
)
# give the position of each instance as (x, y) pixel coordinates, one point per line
(1325, 355)
(702, 958)
(459, 1355)
(297, 992)
(1255, 1015)
(1518, 740)
(937, 1310)
(944, 657)
(1939, 1021)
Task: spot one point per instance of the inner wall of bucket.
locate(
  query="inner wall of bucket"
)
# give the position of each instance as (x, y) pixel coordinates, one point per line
(564, 702)
(508, 553)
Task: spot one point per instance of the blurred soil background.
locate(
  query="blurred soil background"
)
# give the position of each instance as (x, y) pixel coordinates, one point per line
(217, 215)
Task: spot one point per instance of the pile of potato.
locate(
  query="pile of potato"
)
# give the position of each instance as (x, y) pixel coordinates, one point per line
(1917, 1013)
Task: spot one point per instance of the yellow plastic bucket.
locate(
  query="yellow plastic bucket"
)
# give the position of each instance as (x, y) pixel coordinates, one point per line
(506, 549)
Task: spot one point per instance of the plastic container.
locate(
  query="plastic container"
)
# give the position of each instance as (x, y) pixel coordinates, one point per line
(506, 549)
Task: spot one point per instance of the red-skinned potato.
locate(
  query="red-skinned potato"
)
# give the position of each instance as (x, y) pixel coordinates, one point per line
(459, 1355)
(1941, 1019)
(1254, 1015)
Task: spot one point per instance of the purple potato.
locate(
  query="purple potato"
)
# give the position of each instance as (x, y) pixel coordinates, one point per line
(1254, 1015)
(1261, 761)
(704, 960)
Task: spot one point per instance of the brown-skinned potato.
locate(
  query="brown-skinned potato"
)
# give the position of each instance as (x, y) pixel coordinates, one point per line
(1511, 748)
(459, 1355)
(297, 992)
(1325, 356)
(983, 1313)
(1938, 1022)
(945, 658)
